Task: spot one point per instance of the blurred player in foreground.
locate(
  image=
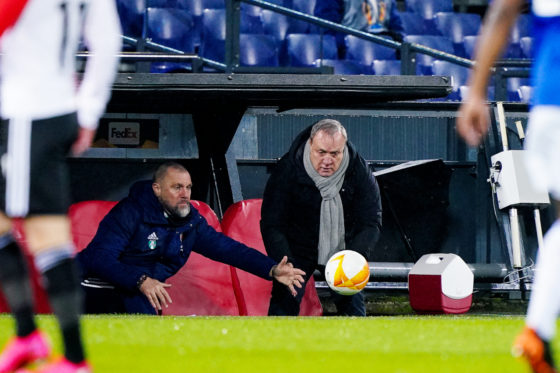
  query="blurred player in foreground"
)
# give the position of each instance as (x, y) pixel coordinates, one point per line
(45, 116)
(543, 152)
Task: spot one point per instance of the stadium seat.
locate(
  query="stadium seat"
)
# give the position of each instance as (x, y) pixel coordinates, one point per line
(304, 49)
(364, 51)
(386, 67)
(307, 7)
(131, 14)
(85, 218)
(212, 45)
(525, 93)
(458, 74)
(526, 44)
(173, 28)
(257, 50)
(513, 84)
(469, 43)
(344, 67)
(520, 29)
(203, 286)
(412, 24)
(242, 222)
(427, 9)
(423, 61)
(456, 26)
(464, 92)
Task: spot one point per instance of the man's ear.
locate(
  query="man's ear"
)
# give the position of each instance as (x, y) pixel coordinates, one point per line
(157, 189)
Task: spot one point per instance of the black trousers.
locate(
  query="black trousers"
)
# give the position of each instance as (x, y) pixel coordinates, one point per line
(283, 303)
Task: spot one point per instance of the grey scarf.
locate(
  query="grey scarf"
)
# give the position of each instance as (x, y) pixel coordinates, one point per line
(331, 226)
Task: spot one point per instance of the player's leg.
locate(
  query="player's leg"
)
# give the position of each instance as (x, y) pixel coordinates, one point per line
(48, 234)
(543, 154)
(28, 344)
(49, 240)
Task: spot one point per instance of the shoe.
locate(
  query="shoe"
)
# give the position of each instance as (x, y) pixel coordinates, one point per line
(536, 351)
(60, 366)
(23, 350)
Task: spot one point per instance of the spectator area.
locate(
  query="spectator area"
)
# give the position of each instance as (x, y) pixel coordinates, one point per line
(270, 39)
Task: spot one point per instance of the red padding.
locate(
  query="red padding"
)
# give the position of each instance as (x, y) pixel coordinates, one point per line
(85, 218)
(203, 286)
(242, 223)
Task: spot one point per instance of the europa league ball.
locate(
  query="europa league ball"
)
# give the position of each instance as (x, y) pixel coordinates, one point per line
(347, 272)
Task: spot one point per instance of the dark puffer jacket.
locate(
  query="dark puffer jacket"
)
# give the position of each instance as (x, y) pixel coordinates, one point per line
(135, 238)
(292, 202)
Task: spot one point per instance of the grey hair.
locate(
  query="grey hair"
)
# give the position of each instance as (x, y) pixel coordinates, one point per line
(162, 170)
(330, 126)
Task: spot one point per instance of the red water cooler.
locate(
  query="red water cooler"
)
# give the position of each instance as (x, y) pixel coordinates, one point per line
(440, 283)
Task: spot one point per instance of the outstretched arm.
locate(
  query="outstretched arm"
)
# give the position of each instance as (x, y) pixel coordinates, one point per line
(472, 121)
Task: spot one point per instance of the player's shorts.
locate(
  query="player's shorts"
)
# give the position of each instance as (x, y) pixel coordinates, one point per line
(543, 148)
(35, 176)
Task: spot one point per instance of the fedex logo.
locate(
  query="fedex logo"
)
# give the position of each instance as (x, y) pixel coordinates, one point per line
(124, 133)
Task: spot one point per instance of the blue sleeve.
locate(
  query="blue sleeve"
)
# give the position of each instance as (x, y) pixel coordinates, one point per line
(101, 257)
(221, 248)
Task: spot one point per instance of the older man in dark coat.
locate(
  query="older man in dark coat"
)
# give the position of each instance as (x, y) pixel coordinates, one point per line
(322, 198)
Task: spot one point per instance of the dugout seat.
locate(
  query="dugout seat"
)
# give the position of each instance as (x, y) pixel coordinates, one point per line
(386, 67)
(131, 15)
(427, 9)
(203, 286)
(241, 222)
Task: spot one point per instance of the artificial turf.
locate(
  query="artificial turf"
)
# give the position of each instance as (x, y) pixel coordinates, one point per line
(285, 344)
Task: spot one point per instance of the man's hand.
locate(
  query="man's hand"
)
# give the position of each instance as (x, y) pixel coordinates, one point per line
(286, 274)
(472, 121)
(83, 142)
(156, 293)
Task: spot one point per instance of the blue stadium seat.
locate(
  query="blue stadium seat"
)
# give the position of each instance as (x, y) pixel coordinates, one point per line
(173, 28)
(427, 10)
(513, 85)
(458, 74)
(307, 7)
(304, 49)
(521, 28)
(423, 61)
(526, 44)
(275, 24)
(525, 93)
(364, 51)
(343, 67)
(469, 43)
(386, 67)
(257, 50)
(464, 92)
(131, 14)
(212, 4)
(456, 26)
(412, 24)
(212, 45)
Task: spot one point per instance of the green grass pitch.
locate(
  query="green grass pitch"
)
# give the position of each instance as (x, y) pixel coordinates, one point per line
(327, 344)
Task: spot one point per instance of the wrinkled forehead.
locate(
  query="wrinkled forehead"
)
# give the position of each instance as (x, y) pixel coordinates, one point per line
(176, 176)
